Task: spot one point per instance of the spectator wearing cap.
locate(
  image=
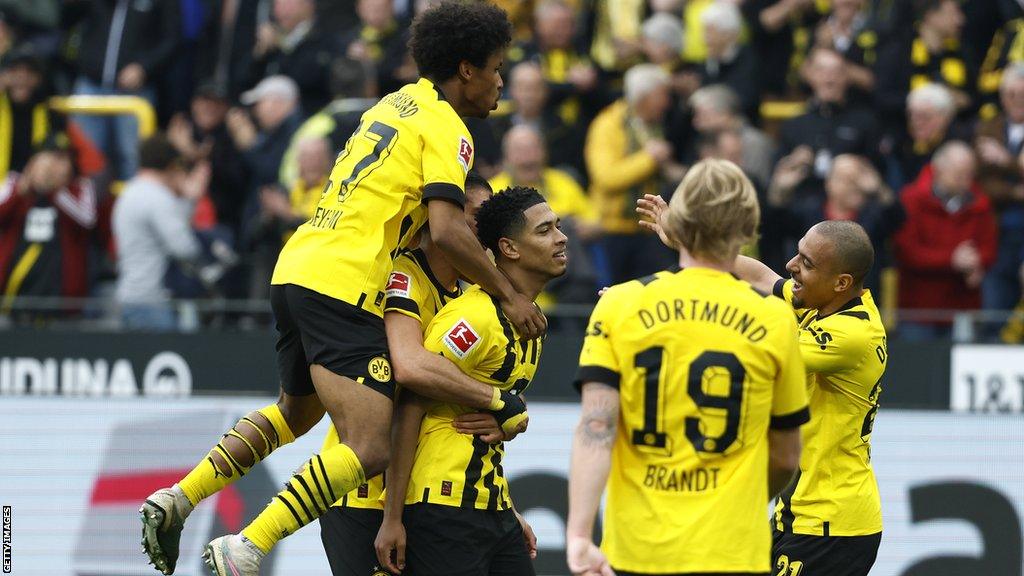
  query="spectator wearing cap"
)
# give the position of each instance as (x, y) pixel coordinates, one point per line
(125, 47)
(379, 43)
(1000, 148)
(152, 228)
(292, 46)
(716, 108)
(202, 135)
(931, 122)
(947, 243)
(275, 108)
(832, 125)
(47, 216)
(628, 156)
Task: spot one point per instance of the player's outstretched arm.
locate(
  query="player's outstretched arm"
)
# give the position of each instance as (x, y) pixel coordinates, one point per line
(588, 474)
(448, 229)
(405, 430)
(433, 376)
(783, 459)
(756, 274)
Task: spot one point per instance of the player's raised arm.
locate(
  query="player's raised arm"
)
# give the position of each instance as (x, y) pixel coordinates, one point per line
(756, 273)
(448, 229)
(588, 474)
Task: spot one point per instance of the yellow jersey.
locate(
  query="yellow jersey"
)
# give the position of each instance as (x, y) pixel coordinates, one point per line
(453, 469)
(412, 290)
(704, 366)
(409, 147)
(835, 493)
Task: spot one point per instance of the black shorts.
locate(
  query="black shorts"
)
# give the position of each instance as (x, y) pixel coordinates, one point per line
(450, 541)
(348, 535)
(317, 329)
(621, 573)
(824, 555)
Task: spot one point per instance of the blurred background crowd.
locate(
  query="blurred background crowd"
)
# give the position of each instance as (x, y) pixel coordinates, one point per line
(904, 115)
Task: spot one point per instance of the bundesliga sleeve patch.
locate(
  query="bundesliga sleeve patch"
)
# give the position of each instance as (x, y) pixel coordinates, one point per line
(400, 284)
(461, 339)
(465, 154)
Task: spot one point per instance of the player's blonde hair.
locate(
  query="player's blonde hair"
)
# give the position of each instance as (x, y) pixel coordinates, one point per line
(714, 211)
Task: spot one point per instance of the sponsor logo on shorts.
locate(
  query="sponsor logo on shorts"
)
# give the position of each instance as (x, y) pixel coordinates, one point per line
(461, 338)
(446, 488)
(399, 284)
(380, 369)
(465, 154)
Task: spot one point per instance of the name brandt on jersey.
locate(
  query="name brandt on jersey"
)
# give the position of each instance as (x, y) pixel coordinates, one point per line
(325, 218)
(682, 480)
(696, 310)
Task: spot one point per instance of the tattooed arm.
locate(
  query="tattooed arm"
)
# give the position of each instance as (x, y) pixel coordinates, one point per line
(588, 473)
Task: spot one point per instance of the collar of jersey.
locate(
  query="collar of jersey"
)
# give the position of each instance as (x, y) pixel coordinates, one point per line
(423, 82)
(854, 302)
(421, 258)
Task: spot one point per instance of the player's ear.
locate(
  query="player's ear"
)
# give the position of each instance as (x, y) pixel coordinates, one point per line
(465, 71)
(843, 282)
(508, 249)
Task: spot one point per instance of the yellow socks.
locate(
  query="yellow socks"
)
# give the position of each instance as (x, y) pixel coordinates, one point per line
(325, 478)
(221, 467)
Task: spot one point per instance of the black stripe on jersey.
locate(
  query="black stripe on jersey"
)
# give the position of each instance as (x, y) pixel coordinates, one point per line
(786, 514)
(494, 491)
(648, 279)
(399, 303)
(595, 374)
(790, 421)
(824, 529)
(855, 314)
(849, 305)
(777, 288)
(444, 191)
(421, 259)
(402, 230)
(760, 293)
(473, 472)
(503, 373)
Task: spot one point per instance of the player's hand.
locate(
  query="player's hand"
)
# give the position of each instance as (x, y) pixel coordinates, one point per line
(525, 316)
(131, 77)
(528, 535)
(652, 208)
(390, 546)
(585, 558)
(482, 424)
(510, 412)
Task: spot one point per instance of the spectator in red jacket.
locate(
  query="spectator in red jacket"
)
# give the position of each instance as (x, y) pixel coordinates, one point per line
(947, 243)
(46, 218)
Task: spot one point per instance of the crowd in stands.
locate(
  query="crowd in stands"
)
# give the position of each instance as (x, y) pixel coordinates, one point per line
(906, 116)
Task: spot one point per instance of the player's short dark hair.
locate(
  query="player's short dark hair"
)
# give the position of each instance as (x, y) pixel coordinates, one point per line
(453, 31)
(475, 180)
(501, 216)
(851, 247)
(157, 153)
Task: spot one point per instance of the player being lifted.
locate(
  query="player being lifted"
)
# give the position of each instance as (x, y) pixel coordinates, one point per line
(693, 394)
(405, 163)
(458, 516)
(422, 282)
(828, 521)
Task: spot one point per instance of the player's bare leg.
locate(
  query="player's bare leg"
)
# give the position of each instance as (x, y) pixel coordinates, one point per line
(248, 442)
(363, 418)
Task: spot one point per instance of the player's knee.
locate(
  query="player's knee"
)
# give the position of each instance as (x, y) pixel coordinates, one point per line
(301, 413)
(373, 456)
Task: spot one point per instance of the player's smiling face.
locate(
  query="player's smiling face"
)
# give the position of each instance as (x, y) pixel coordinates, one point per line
(483, 86)
(541, 244)
(813, 278)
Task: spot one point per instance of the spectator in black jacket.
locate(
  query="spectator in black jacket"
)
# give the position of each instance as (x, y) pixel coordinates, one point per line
(125, 45)
(225, 50)
(379, 43)
(293, 46)
(728, 62)
(831, 126)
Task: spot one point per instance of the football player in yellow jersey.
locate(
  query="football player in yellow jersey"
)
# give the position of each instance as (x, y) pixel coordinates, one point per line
(828, 521)
(693, 395)
(405, 163)
(420, 284)
(446, 487)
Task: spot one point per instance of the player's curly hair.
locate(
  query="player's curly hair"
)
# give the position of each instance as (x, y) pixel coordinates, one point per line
(453, 31)
(501, 216)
